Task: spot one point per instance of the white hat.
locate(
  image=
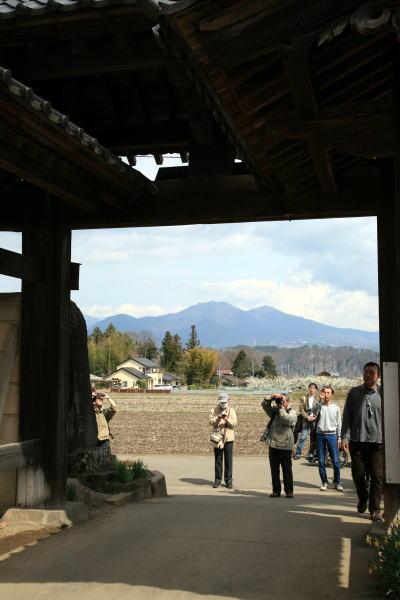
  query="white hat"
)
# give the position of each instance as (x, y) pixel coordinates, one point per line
(223, 398)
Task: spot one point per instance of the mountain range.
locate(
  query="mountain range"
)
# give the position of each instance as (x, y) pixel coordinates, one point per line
(220, 325)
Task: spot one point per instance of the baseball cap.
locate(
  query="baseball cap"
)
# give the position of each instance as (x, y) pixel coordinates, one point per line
(223, 398)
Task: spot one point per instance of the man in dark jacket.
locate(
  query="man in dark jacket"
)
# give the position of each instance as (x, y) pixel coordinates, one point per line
(362, 433)
(279, 436)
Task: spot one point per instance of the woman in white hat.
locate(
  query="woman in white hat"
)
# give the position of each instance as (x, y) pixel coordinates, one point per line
(223, 420)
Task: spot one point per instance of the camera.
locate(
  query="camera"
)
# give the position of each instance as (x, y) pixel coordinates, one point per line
(279, 400)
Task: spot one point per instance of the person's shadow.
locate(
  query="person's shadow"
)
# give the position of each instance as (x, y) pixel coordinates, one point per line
(195, 481)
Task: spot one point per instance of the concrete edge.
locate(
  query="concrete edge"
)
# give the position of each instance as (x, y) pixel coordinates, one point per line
(74, 513)
(156, 488)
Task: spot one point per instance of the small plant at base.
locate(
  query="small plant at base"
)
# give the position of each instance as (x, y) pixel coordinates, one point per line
(139, 469)
(123, 473)
(72, 495)
(387, 563)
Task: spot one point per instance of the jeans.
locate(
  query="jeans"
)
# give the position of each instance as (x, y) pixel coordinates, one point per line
(308, 426)
(306, 429)
(328, 440)
(367, 461)
(225, 453)
(281, 458)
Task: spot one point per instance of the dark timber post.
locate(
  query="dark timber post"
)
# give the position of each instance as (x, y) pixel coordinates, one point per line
(45, 345)
(389, 298)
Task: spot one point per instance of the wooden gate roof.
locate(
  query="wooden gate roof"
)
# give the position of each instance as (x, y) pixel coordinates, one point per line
(305, 91)
(302, 93)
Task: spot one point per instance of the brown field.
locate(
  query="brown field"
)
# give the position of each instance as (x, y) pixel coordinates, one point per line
(177, 423)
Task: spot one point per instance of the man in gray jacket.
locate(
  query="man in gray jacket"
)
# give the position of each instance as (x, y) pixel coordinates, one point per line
(362, 433)
(279, 436)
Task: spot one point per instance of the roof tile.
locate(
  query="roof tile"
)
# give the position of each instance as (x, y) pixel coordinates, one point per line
(14, 8)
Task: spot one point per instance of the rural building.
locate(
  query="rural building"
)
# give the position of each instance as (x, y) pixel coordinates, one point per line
(171, 379)
(128, 377)
(144, 366)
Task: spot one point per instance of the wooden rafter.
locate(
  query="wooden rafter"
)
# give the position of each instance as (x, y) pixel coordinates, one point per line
(99, 57)
(254, 37)
(302, 83)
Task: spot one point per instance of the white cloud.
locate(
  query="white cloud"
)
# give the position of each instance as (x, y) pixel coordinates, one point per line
(322, 302)
(101, 311)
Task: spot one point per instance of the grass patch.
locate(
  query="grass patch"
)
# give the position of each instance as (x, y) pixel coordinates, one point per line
(386, 565)
(129, 472)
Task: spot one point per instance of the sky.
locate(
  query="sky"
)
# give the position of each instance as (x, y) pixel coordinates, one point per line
(324, 270)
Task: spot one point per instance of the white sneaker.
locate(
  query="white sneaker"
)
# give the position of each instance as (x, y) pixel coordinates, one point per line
(339, 487)
(324, 487)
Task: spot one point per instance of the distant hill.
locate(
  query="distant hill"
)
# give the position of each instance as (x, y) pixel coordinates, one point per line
(90, 321)
(219, 325)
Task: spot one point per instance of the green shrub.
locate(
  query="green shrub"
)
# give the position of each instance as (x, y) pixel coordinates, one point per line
(123, 473)
(139, 470)
(387, 563)
(72, 495)
(202, 386)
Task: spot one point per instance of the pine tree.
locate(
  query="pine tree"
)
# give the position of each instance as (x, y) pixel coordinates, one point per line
(269, 366)
(171, 352)
(241, 365)
(167, 350)
(193, 341)
(111, 329)
(147, 347)
(97, 335)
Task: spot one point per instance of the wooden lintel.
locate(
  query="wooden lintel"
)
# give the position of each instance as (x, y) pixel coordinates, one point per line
(21, 266)
(20, 454)
(301, 79)
(237, 198)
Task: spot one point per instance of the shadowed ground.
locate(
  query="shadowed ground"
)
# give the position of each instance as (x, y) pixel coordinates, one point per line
(201, 542)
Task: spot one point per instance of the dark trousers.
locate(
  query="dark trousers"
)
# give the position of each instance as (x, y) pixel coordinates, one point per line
(367, 462)
(281, 458)
(225, 454)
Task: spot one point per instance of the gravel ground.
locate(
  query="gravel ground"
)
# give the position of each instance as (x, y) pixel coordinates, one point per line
(177, 423)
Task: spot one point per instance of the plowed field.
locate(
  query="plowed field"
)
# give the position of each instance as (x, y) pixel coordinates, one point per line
(177, 423)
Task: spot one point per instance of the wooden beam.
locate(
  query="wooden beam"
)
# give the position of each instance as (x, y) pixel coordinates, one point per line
(241, 42)
(146, 138)
(21, 266)
(74, 276)
(247, 11)
(45, 344)
(302, 82)
(82, 24)
(100, 57)
(20, 454)
(199, 116)
(237, 198)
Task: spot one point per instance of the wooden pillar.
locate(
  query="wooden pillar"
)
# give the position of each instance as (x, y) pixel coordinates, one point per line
(389, 299)
(45, 345)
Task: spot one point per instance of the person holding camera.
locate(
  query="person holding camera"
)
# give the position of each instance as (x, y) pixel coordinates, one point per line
(306, 406)
(279, 437)
(223, 420)
(103, 416)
